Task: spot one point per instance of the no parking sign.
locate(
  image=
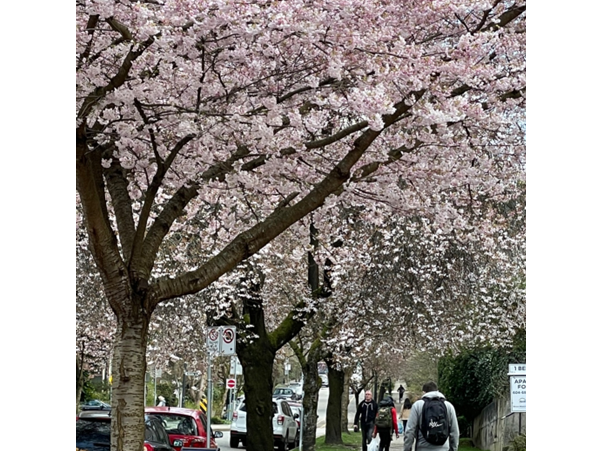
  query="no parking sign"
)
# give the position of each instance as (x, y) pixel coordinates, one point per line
(221, 340)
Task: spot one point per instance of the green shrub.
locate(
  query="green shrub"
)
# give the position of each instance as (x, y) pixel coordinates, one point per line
(474, 377)
(518, 443)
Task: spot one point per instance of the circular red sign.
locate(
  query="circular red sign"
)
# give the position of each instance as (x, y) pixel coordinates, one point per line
(231, 383)
(228, 335)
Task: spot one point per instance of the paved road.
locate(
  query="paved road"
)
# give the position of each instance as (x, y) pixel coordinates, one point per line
(224, 442)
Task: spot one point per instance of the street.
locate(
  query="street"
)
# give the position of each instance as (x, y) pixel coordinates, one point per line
(224, 442)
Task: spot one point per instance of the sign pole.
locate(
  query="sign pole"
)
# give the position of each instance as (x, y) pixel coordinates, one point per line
(209, 401)
(221, 340)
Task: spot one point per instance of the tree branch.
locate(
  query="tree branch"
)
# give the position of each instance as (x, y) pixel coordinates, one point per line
(508, 16)
(116, 81)
(102, 240)
(249, 242)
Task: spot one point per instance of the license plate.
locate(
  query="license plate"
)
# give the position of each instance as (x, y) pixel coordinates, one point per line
(178, 443)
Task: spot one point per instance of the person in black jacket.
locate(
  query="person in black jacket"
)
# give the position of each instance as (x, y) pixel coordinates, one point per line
(401, 391)
(366, 413)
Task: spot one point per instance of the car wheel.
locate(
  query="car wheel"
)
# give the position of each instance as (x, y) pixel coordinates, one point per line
(233, 442)
(283, 445)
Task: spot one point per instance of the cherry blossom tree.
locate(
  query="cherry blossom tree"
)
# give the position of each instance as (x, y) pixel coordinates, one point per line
(226, 123)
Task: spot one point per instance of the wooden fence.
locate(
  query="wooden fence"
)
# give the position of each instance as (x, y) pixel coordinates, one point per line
(496, 426)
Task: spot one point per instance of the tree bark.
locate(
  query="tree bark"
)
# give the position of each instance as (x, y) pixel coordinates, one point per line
(129, 368)
(311, 389)
(79, 379)
(336, 380)
(257, 360)
(345, 401)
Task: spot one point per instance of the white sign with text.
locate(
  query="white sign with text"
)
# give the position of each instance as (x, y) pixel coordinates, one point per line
(518, 387)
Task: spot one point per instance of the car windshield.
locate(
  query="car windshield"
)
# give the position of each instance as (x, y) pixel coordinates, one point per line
(178, 424)
(93, 435)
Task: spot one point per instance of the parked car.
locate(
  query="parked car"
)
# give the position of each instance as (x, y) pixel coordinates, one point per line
(95, 404)
(297, 409)
(297, 389)
(93, 432)
(284, 425)
(284, 393)
(185, 427)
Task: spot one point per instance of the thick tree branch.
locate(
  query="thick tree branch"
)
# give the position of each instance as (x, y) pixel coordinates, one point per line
(117, 185)
(507, 16)
(120, 28)
(291, 325)
(102, 240)
(252, 240)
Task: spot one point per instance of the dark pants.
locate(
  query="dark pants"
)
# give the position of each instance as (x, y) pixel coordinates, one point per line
(385, 439)
(367, 430)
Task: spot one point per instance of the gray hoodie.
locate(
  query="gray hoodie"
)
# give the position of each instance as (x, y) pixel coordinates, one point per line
(412, 429)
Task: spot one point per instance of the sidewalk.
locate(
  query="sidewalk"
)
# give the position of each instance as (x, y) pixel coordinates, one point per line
(396, 444)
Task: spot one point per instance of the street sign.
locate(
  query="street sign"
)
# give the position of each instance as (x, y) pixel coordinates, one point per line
(228, 340)
(518, 387)
(231, 383)
(221, 340)
(213, 340)
(235, 366)
(518, 393)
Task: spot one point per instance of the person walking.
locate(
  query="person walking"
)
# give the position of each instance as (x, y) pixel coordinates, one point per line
(401, 391)
(385, 430)
(413, 431)
(405, 413)
(364, 416)
(161, 402)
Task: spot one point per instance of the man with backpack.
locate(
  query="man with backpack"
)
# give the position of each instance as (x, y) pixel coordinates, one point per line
(433, 423)
(385, 423)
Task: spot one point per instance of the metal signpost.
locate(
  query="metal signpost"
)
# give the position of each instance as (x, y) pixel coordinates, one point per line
(235, 370)
(221, 340)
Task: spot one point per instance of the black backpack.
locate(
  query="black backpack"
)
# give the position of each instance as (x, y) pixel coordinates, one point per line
(434, 424)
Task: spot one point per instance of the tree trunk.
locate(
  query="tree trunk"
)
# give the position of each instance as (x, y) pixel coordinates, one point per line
(129, 368)
(257, 360)
(311, 389)
(79, 380)
(345, 401)
(336, 380)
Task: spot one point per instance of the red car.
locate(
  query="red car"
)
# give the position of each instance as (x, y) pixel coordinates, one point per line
(185, 427)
